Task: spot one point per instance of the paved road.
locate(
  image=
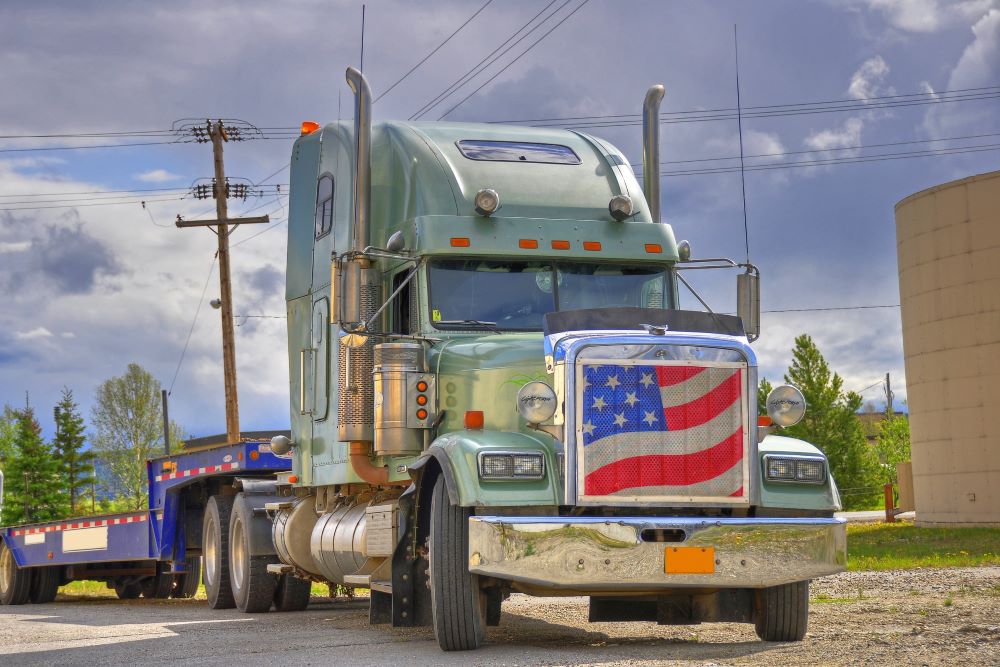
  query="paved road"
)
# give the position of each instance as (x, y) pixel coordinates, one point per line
(917, 617)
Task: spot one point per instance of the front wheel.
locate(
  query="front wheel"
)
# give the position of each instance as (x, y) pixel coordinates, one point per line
(15, 582)
(782, 612)
(457, 603)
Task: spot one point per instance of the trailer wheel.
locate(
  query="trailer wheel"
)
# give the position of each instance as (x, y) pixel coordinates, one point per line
(15, 582)
(44, 585)
(782, 612)
(457, 603)
(157, 587)
(253, 587)
(127, 590)
(186, 585)
(292, 593)
(215, 545)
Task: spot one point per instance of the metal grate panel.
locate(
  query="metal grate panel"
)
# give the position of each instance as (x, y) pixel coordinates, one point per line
(668, 432)
(355, 408)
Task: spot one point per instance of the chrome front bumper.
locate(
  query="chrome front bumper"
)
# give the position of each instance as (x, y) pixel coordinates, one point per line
(598, 554)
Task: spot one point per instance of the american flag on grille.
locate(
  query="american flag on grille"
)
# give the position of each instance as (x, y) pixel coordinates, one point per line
(663, 430)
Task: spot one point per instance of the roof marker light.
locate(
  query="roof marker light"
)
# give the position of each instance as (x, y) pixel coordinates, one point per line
(527, 244)
(460, 242)
(560, 245)
(654, 248)
(309, 126)
(592, 245)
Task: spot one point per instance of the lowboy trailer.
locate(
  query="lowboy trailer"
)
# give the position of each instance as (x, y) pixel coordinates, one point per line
(158, 552)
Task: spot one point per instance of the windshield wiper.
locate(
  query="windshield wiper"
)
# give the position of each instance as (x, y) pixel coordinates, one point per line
(482, 324)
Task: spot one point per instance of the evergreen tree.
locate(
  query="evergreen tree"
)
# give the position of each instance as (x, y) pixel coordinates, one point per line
(831, 423)
(763, 390)
(32, 483)
(8, 431)
(893, 446)
(76, 464)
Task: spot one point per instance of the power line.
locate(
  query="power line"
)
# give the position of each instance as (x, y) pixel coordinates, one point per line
(822, 310)
(472, 73)
(102, 203)
(211, 269)
(80, 148)
(523, 53)
(436, 49)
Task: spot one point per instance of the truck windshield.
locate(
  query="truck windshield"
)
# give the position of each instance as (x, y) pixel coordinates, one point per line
(514, 295)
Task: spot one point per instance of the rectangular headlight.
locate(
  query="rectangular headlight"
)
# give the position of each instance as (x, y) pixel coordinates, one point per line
(511, 465)
(811, 470)
(780, 469)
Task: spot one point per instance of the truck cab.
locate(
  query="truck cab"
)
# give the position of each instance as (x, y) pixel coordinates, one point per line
(493, 391)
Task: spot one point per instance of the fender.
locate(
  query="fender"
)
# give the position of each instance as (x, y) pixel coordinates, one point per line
(822, 497)
(260, 527)
(457, 454)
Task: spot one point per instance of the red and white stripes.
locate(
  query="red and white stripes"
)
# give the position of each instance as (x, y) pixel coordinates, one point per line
(88, 523)
(223, 467)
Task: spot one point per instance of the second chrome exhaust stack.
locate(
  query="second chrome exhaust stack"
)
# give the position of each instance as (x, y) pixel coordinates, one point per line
(651, 149)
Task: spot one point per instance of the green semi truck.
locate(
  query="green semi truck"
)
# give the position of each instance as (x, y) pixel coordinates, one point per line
(493, 390)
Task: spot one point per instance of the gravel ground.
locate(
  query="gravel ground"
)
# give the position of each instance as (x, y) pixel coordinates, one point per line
(939, 616)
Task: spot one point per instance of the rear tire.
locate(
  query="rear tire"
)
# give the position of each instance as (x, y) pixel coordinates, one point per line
(292, 593)
(186, 585)
(44, 585)
(782, 612)
(157, 587)
(458, 605)
(253, 587)
(15, 582)
(215, 546)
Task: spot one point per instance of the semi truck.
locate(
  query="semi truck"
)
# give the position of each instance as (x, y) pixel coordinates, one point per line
(494, 390)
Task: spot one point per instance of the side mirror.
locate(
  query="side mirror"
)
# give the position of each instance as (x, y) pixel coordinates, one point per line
(748, 303)
(396, 242)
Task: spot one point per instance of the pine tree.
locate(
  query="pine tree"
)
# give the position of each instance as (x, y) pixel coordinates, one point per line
(76, 466)
(32, 483)
(831, 423)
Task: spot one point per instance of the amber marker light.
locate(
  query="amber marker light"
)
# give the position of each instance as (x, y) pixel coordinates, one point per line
(421, 386)
(293, 479)
(560, 245)
(528, 244)
(421, 399)
(764, 420)
(474, 420)
(254, 455)
(421, 414)
(460, 242)
(654, 248)
(592, 245)
(309, 126)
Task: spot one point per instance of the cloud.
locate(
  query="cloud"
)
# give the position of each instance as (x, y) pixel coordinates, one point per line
(156, 176)
(37, 332)
(868, 79)
(846, 135)
(14, 246)
(979, 65)
(926, 16)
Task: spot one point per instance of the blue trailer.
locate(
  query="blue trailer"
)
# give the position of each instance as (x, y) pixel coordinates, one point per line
(194, 497)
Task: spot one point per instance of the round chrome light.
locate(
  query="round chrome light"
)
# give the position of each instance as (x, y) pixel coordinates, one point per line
(487, 202)
(536, 402)
(786, 405)
(621, 207)
(684, 251)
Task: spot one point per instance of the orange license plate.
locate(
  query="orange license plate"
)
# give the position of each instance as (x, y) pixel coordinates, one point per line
(689, 560)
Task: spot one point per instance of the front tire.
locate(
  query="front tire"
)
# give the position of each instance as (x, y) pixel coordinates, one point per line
(458, 605)
(253, 587)
(215, 545)
(782, 612)
(15, 582)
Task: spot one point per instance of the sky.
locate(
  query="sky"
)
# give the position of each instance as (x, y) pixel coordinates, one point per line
(87, 287)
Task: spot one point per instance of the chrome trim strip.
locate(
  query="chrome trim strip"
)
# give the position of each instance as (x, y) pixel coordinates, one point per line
(606, 554)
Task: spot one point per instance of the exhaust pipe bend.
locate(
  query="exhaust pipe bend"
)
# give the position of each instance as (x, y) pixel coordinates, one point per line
(651, 149)
(361, 462)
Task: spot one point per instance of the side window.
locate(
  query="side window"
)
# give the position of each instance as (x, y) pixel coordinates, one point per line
(402, 322)
(324, 205)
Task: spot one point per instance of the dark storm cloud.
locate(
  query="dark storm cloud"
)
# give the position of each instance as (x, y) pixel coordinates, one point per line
(267, 280)
(64, 257)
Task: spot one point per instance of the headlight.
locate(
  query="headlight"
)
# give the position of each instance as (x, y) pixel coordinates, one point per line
(511, 465)
(786, 405)
(536, 402)
(795, 469)
(487, 201)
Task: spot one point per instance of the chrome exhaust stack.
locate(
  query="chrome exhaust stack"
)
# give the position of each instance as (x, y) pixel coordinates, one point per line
(651, 149)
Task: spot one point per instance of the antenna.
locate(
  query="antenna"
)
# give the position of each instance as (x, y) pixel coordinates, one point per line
(362, 67)
(739, 120)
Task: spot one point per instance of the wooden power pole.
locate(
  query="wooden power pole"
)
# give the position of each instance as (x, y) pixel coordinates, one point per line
(220, 191)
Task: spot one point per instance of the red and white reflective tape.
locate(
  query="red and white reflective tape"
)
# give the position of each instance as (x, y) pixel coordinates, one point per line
(90, 523)
(198, 471)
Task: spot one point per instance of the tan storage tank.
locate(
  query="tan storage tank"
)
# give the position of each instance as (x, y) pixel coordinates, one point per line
(948, 243)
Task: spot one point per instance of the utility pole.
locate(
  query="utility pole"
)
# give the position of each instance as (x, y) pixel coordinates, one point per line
(218, 133)
(888, 397)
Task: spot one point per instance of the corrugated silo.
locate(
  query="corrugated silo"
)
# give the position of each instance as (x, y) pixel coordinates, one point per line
(948, 244)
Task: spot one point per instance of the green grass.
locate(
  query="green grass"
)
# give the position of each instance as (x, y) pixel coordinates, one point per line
(888, 546)
(99, 589)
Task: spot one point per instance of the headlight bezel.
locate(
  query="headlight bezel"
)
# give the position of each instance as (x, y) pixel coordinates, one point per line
(487, 457)
(794, 460)
(792, 403)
